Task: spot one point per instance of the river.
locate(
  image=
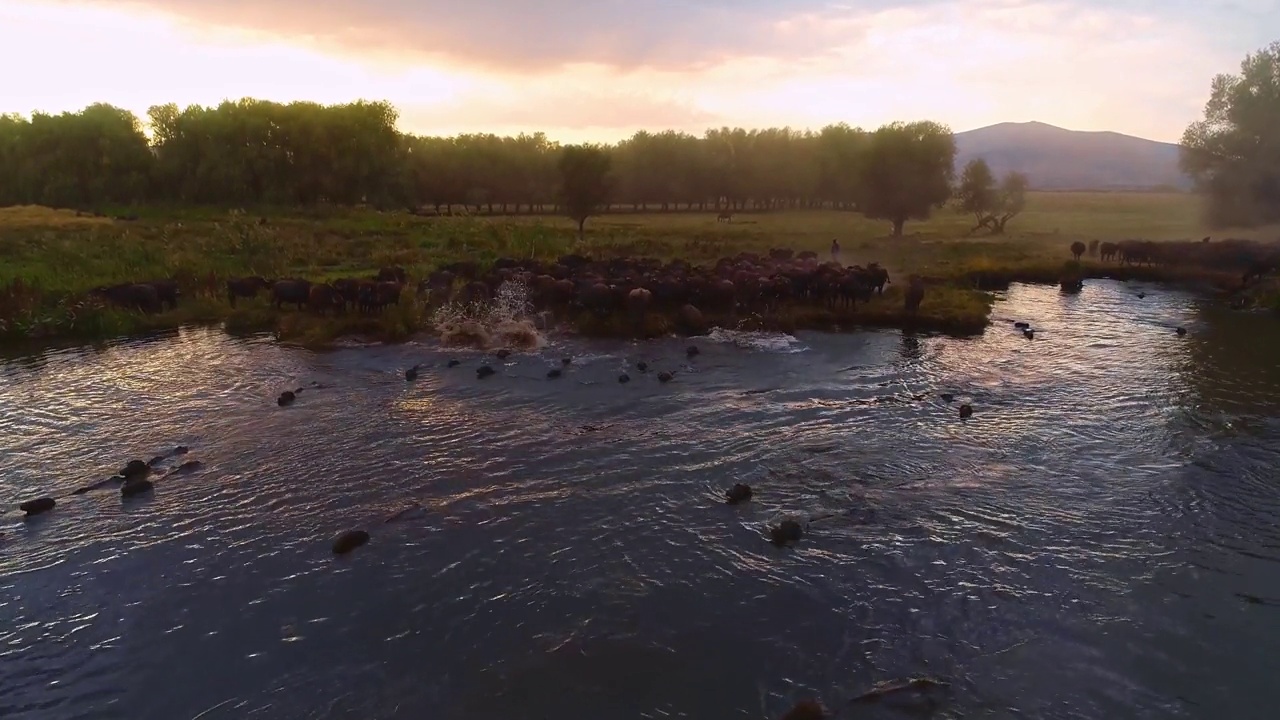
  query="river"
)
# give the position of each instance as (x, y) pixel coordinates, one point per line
(1099, 540)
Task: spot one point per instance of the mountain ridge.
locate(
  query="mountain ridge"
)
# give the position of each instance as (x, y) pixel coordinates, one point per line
(1055, 158)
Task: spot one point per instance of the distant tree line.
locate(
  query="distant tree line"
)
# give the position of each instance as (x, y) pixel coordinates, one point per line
(259, 152)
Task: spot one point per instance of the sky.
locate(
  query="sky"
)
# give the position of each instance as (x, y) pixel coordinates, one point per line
(598, 70)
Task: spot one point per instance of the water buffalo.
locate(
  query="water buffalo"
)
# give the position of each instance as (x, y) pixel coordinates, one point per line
(877, 276)
(374, 296)
(349, 540)
(598, 298)
(475, 291)
(134, 296)
(391, 274)
(135, 468)
(291, 292)
(1136, 252)
(718, 295)
(551, 292)
(437, 287)
(1108, 251)
(38, 506)
(852, 288)
(136, 486)
(638, 301)
(348, 290)
(786, 532)
(1093, 248)
(1077, 250)
(323, 297)
(466, 269)
(166, 293)
(245, 287)
(573, 262)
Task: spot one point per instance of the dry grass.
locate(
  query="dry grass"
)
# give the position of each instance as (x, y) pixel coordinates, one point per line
(36, 216)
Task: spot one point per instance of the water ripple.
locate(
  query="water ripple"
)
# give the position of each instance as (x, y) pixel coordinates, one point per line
(1101, 531)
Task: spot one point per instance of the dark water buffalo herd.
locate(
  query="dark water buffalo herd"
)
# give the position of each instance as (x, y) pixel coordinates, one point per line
(1250, 258)
(632, 287)
(635, 286)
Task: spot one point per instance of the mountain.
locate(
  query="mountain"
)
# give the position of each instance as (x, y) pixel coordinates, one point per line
(1054, 158)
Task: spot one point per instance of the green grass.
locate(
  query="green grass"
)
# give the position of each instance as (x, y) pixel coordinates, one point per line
(50, 259)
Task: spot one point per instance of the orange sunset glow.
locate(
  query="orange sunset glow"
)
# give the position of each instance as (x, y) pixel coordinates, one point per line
(582, 71)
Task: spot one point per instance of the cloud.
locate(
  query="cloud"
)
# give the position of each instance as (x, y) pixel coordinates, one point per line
(594, 115)
(599, 70)
(515, 35)
(522, 36)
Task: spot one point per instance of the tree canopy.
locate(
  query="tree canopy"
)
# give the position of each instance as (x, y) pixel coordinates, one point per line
(991, 205)
(906, 172)
(585, 185)
(1233, 153)
(255, 152)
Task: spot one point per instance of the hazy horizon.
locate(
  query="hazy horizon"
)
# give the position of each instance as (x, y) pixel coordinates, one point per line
(599, 72)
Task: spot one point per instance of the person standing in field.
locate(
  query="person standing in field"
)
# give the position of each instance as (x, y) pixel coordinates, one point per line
(835, 250)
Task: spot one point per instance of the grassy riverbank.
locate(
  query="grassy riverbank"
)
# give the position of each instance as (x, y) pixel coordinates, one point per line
(50, 259)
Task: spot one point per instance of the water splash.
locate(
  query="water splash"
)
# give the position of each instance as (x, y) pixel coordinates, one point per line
(776, 342)
(504, 322)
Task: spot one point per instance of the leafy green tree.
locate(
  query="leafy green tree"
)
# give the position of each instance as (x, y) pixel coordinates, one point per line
(976, 194)
(907, 172)
(1010, 202)
(992, 206)
(585, 182)
(840, 152)
(249, 152)
(1233, 153)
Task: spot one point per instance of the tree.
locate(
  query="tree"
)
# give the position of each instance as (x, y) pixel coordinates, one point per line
(992, 207)
(248, 152)
(1010, 202)
(907, 172)
(1233, 153)
(840, 154)
(976, 194)
(585, 182)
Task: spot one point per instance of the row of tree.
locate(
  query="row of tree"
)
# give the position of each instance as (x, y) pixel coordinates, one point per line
(258, 152)
(254, 151)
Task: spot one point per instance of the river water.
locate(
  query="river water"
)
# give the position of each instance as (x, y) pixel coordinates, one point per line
(1099, 540)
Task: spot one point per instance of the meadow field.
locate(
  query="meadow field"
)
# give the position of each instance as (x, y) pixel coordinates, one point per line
(50, 259)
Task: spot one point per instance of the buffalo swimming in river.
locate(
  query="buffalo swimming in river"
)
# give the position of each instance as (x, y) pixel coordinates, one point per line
(786, 532)
(38, 506)
(349, 540)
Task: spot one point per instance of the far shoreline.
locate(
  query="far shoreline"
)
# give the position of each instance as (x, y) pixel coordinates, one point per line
(159, 328)
(54, 258)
